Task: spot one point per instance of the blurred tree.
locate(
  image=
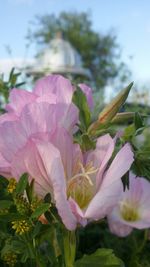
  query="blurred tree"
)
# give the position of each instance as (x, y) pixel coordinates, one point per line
(100, 52)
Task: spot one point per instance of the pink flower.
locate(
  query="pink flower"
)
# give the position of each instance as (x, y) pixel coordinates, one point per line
(82, 186)
(35, 137)
(52, 89)
(132, 209)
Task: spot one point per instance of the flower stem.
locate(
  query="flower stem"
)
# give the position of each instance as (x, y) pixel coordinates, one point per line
(69, 241)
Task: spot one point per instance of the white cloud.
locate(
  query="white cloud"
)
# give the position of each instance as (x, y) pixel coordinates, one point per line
(19, 63)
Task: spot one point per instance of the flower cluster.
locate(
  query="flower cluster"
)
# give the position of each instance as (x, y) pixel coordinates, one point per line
(36, 137)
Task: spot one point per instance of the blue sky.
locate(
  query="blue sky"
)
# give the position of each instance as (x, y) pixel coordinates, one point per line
(129, 19)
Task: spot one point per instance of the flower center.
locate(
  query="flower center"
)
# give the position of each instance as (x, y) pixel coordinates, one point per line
(80, 186)
(129, 211)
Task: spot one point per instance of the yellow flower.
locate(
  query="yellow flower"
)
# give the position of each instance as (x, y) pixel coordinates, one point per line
(10, 258)
(11, 186)
(21, 226)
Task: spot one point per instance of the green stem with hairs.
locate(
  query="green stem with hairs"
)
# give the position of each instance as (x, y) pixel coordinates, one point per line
(69, 242)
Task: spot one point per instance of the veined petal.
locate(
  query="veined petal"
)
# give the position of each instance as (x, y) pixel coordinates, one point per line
(18, 99)
(107, 196)
(103, 202)
(120, 165)
(57, 85)
(55, 172)
(43, 163)
(44, 117)
(12, 138)
(70, 153)
(78, 213)
(101, 155)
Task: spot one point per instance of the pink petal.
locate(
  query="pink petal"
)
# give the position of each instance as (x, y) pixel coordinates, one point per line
(12, 138)
(77, 212)
(107, 196)
(101, 155)
(18, 99)
(137, 195)
(43, 163)
(55, 84)
(88, 93)
(104, 201)
(70, 153)
(54, 168)
(44, 117)
(8, 117)
(49, 98)
(119, 228)
(120, 165)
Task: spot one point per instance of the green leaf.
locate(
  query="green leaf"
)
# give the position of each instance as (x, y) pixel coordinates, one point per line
(40, 210)
(79, 99)
(5, 204)
(30, 190)
(22, 184)
(11, 217)
(138, 121)
(123, 117)
(101, 258)
(129, 132)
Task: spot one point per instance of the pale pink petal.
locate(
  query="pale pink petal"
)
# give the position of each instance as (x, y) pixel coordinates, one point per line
(88, 93)
(12, 138)
(70, 153)
(28, 160)
(119, 228)
(116, 223)
(101, 155)
(8, 117)
(55, 172)
(42, 161)
(44, 117)
(107, 196)
(55, 84)
(138, 196)
(78, 213)
(18, 99)
(49, 98)
(104, 201)
(119, 166)
(69, 115)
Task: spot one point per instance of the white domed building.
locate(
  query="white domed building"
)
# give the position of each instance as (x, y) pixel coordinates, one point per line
(61, 58)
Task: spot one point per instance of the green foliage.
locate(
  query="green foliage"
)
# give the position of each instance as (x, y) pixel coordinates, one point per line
(41, 209)
(22, 184)
(80, 101)
(6, 86)
(101, 258)
(100, 52)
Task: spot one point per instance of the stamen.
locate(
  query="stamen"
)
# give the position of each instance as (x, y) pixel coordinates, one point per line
(129, 211)
(85, 172)
(80, 186)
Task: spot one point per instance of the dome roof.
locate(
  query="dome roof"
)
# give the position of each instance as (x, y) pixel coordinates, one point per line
(59, 57)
